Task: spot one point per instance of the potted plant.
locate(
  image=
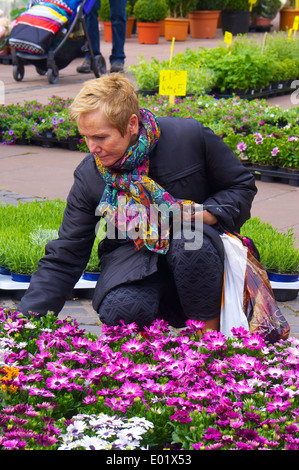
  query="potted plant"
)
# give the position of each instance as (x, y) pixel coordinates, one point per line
(148, 16)
(278, 255)
(104, 15)
(177, 22)
(204, 18)
(288, 13)
(235, 17)
(263, 12)
(130, 20)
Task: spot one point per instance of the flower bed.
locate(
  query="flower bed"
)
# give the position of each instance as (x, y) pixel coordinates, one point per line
(269, 134)
(155, 389)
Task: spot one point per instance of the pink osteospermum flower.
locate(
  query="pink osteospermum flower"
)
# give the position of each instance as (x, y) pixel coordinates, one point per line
(241, 146)
(57, 382)
(133, 345)
(129, 389)
(278, 405)
(254, 342)
(275, 151)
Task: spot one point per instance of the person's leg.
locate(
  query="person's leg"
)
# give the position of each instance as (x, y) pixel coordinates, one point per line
(135, 302)
(119, 28)
(198, 277)
(92, 25)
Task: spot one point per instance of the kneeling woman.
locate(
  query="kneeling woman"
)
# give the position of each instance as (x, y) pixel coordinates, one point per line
(138, 162)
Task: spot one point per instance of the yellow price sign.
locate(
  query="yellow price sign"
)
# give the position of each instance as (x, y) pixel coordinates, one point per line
(173, 82)
(228, 37)
(296, 23)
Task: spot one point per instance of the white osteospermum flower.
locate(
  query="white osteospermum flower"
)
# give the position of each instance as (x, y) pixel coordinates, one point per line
(78, 427)
(94, 443)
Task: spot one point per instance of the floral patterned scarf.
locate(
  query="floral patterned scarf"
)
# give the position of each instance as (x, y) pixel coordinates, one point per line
(129, 178)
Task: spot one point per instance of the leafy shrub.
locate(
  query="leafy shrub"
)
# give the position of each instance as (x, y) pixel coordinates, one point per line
(150, 12)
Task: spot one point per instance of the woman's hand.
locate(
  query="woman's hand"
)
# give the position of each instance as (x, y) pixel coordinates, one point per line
(208, 218)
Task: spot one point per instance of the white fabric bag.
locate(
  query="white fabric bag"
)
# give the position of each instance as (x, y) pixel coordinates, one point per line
(235, 260)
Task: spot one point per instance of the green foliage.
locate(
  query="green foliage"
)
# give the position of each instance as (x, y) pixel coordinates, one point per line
(25, 230)
(180, 8)
(237, 5)
(199, 80)
(267, 9)
(277, 250)
(243, 66)
(209, 5)
(150, 12)
(104, 11)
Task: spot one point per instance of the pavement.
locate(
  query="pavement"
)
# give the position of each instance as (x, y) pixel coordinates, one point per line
(30, 172)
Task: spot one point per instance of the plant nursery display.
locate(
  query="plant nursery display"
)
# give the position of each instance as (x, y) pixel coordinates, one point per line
(248, 67)
(63, 389)
(257, 132)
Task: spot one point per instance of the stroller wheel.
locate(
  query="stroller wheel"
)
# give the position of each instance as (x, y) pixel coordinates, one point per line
(18, 72)
(40, 71)
(53, 75)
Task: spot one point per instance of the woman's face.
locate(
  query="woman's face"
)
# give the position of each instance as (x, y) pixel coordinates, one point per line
(105, 140)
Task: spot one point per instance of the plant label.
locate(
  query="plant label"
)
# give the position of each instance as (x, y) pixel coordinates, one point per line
(296, 23)
(228, 37)
(251, 3)
(173, 82)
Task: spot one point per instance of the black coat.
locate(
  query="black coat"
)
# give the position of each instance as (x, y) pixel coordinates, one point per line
(190, 162)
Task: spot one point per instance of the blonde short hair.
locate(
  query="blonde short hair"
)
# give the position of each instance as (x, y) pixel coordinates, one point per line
(113, 94)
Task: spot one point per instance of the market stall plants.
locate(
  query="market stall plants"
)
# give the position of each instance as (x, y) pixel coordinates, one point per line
(63, 389)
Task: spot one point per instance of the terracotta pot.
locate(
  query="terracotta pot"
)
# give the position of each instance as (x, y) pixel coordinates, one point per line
(203, 24)
(162, 28)
(148, 33)
(130, 24)
(176, 28)
(287, 17)
(262, 21)
(107, 31)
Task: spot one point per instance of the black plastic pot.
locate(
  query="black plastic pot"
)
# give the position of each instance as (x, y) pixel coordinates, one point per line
(235, 22)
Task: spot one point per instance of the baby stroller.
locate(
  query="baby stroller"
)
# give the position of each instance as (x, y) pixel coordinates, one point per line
(42, 37)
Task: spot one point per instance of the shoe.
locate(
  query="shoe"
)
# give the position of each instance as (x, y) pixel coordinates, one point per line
(101, 64)
(117, 67)
(85, 67)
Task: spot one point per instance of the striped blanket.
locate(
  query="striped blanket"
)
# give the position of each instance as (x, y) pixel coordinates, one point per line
(34, 30)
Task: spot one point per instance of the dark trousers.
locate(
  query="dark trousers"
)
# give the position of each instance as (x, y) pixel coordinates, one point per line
(187, 284)
(119, 28)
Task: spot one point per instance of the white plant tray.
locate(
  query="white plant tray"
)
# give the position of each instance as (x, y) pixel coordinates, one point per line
(284, 285)
(6, 283)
